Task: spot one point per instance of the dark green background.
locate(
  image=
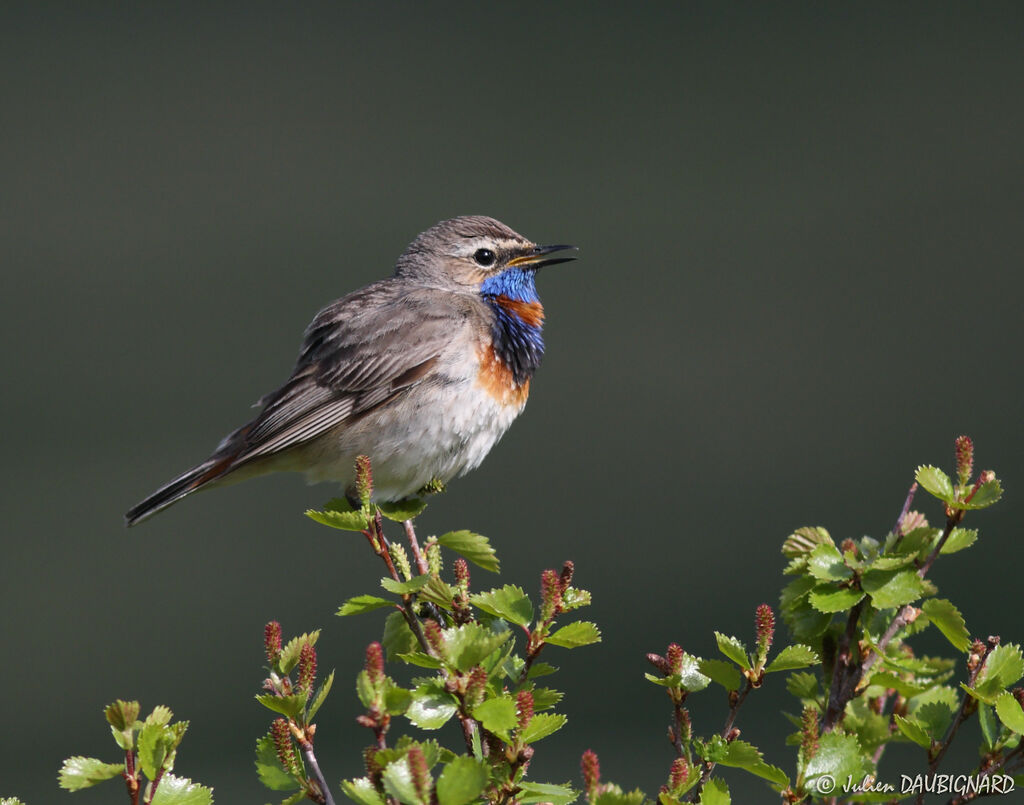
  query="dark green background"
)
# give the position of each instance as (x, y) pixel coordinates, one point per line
(800, 233)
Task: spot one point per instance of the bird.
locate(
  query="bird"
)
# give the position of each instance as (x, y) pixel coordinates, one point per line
(423, 372)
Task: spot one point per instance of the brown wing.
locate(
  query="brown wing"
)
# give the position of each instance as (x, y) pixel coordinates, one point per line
(358, 353)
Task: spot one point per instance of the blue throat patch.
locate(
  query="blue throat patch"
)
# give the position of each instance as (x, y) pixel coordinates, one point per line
(519, 345)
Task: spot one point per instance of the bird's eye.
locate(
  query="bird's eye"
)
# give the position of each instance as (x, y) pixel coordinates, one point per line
(484, 257)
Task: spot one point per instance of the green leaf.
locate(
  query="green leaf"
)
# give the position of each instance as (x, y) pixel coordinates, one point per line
(531, 792)
(935, 482)
(181, 791)
(904, 687)
(405, 587)
(742, 755)
(321, 697)
(155, 744)
(732, 648)
(839, 756)
(467, 645)
(420, 659)
(363, 603)
(949, 621)
(804, 540)
(935, 717)
(613, 795)
(161, 715)
(396, 699)
(289, 706)
(825, 563)
(399, 784)
(293, 648)
(715, 792)
(431, 706)
(508, 602)
(1003, 667)
(892, 588)
(497, 715)
(398, 638)
(689, 677)
(986, 495)
(792, 657)
(914, 730)
(539, 669)
(461, 781)
(580, 633)
(474, 547)
(1009, 711)
(121, 714)
(541, 726)
(82, 772)
(827, 598)
(361, 790)
(959, 538)
(543, 698)
(403, 510)
(803, 685)
(722, 672)
(351, 520)
(437, 592)
(989, 726)
(269, 768)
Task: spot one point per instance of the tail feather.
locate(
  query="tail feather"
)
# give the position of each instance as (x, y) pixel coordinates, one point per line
(173, 491)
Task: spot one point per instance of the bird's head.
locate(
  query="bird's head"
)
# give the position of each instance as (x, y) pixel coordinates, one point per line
(479, 254)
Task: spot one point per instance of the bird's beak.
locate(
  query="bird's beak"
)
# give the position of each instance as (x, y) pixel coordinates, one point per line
(536, 257)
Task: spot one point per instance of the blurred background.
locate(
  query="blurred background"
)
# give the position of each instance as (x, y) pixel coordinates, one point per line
(800, 238)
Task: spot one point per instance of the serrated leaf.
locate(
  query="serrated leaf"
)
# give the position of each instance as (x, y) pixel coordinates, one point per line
(398, 783)
(293, 648)
(361, 790)
(892, 588)
(508, 602)
(420, 659)
(405, 587)
(398, 637)
(949, 621)
(363, 603)
(403, 510)
(474, 547)
(539, 669)
(541, 726)
(1009, 711)
(437, 592)
(989, 725)
(497, 715)
(804, 540)
(531, 792)
(83, 772)
(912, 729)
(321, 697)
(431, 707)
(987, 494)
(396, 699)
(181, 791)
(121, 714)
(543, 698)
(839, 756)
(269, 768)
(934, 717)
(722, 672)
(161, 715)
(461, 781)
(827, 598)
(743, 755)
(803, 685)
(342, 520)
(467, 645)
(825, 563)
(289, 706)
(1004, 666)
(732, 648)
(715, 792)
(574, 635)
(793, 657)
(959, 538)
(155, 744)
(613, 795)
(935, 482)
(904, 687)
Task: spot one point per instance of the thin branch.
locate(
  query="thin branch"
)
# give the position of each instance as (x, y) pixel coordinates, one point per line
(736, 699)
(131, 776)
(418, 555)
(953, 518)
(304, 739)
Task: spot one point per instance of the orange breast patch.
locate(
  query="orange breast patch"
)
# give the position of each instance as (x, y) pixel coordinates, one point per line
(497, 380)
